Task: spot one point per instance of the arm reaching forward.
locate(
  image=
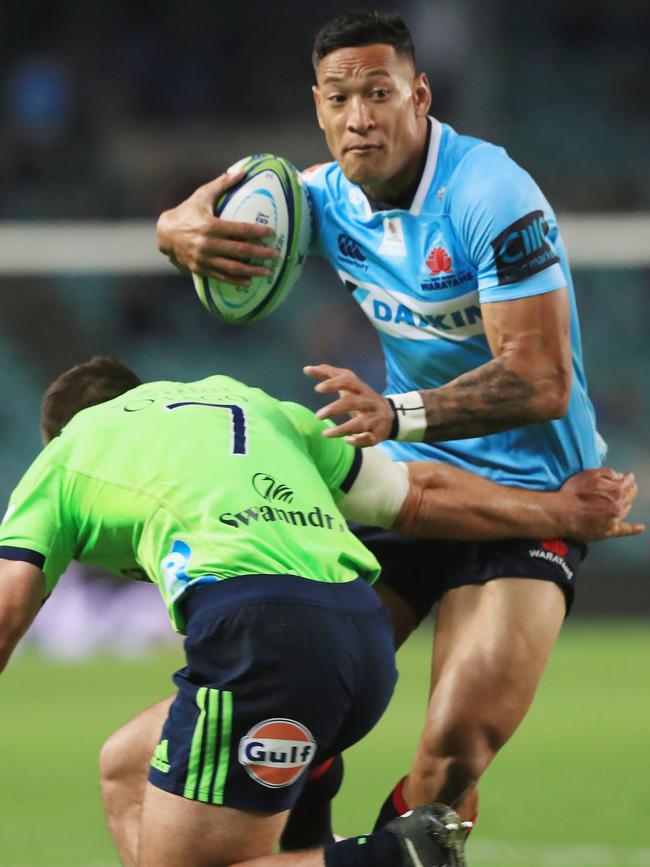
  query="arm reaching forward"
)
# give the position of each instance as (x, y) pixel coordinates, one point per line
(590, 506)
(428, 499)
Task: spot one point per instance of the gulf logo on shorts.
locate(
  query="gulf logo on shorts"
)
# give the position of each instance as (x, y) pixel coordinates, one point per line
(276, 751)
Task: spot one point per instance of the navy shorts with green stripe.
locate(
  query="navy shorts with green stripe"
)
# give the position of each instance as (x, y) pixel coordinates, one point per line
(282, 673)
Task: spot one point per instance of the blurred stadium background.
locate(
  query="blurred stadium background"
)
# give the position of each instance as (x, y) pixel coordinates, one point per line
(111, 112)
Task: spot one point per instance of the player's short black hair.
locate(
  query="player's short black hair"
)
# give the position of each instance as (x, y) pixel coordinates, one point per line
(95, 381)
(363, 27)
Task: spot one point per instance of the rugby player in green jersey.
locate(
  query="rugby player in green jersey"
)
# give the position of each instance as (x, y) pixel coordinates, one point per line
(234, 505)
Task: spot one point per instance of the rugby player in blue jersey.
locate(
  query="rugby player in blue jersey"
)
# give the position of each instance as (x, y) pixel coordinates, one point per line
(454, 254)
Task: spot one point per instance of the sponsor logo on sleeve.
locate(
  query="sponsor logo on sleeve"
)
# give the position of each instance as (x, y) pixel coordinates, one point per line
(275, 752)
(523, 249)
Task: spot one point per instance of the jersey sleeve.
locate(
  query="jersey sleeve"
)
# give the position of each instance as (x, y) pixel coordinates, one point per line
(337, 461)
(378, 492)
(36, 527)
(506, 226)
(314, 181)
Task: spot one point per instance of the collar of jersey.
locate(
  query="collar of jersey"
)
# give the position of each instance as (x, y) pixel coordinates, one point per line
(429, 170)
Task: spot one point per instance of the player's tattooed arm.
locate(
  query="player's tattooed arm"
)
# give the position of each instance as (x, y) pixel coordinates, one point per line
(22, 588)
(485, 400)
(488, 399)
(528, 380)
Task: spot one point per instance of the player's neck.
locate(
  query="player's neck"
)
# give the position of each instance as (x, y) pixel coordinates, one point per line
(399, 190)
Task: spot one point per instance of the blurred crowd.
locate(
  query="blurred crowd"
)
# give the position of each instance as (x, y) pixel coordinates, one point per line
(115, 109)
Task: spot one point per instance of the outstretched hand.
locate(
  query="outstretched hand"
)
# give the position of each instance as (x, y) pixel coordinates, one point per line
(372, 415)
(193, 238)
(598, 501)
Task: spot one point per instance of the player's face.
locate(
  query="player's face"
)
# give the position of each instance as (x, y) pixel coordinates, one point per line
(372, 108)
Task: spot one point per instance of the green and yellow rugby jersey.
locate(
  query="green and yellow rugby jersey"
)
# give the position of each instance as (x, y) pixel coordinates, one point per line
(189, 482)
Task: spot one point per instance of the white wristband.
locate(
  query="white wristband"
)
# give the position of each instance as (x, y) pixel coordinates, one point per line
(410, 416)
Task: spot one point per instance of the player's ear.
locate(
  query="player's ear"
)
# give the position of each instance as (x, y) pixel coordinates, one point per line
(317, 102)
(421, 94)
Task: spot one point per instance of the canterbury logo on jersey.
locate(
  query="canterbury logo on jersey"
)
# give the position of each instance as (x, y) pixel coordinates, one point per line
(350, 248)
(400, 315)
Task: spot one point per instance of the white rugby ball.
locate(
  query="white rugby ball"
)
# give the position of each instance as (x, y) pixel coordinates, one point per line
(272, 195)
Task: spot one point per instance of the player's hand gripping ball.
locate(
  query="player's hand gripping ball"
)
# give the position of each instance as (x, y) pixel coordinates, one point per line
(271, 194)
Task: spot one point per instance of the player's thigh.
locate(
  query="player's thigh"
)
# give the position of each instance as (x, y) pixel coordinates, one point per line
(128, 751)
(495, 640)
(177, 832)
(481, 599)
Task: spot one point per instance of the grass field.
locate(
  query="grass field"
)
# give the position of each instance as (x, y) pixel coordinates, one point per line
(571, 790)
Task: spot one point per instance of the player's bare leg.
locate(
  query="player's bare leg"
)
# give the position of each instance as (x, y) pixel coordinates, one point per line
(491, 646)
(123, 765)
(151, 834)
(176, 832)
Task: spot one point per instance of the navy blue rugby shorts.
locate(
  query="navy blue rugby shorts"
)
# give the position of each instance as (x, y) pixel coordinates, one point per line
(282, 673)
(421, 571)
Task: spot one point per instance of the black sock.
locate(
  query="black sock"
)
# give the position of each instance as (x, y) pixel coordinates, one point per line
(393, 806)
(382, 849)
(309, 825)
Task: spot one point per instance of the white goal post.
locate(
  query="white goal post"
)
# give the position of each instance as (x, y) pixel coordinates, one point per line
(129, 246)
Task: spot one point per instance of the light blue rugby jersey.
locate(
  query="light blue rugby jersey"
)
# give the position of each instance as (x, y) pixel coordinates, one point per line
(478, 230)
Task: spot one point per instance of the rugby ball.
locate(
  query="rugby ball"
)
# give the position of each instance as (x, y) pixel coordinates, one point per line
(271, 194)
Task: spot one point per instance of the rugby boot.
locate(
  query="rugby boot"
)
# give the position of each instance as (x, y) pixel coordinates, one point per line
(431, 836)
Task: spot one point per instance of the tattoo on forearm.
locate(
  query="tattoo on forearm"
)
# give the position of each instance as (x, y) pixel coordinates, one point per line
(482, 401)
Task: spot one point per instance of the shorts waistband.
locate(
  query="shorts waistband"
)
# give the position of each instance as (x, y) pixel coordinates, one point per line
(353, 597)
